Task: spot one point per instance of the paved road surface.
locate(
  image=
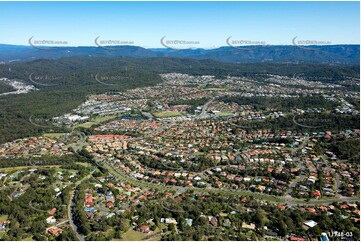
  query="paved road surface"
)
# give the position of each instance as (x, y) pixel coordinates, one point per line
(259, 196)
(70, 211)
(204, 114)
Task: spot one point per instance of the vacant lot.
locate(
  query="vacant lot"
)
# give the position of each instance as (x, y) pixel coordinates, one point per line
(86, 125)
(132, 235)
(96, 120)
(223, 114)
(167, 114)
(3, 218)
(100, 119)
(216, 89)
(53, 135)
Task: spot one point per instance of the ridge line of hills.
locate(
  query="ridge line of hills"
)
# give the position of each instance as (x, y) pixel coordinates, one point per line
(316, 54)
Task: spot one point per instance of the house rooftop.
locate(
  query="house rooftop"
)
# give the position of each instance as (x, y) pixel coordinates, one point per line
(310, 223)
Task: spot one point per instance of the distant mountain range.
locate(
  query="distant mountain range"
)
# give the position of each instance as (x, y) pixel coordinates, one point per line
(317, 54)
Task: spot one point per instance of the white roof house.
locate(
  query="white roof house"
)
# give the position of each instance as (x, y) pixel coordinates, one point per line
(51, 220)
(310, 223)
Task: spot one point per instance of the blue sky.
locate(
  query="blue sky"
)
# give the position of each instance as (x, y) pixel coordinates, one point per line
(209, 23)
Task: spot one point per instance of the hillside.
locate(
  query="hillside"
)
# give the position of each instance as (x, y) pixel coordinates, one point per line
(64, 83)
(326, 54)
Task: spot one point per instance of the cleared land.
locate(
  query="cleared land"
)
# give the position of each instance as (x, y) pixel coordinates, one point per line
(167, 114)
(95, 121)
(216, 89)
(7, 169)
(53, 135)
(3, 218)
(222, 114)
(132, 235)
(86, 125)
(100, 119)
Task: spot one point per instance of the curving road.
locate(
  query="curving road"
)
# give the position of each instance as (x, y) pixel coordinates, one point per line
(71, 205)
(203, 114)
(259, 196)
(272, 199)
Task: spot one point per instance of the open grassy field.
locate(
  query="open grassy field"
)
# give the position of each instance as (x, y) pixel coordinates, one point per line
(96, 120)
(157, 237)
(167, 114)
(53, 135)
(222, 114)
(100, 119)
(132, 235)
(84, 164)
(3, 218)
(7, 169)
(219, 89)
(86, 125)
(30, 238)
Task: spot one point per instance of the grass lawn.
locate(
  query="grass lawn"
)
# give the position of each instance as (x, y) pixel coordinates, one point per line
(86, 125)
(334, 187)
(100, 119)
(133, 235)
(3, 218)
(28, 167)
(30, 238)
(53, 135)
(254, 195)
(221, 114)
(167, 114)
(84, 164)
(96, 120)
(2, 233)
(216, 89)
(158, 237)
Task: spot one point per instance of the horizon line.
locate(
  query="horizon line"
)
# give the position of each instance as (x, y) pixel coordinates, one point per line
(170, 48)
